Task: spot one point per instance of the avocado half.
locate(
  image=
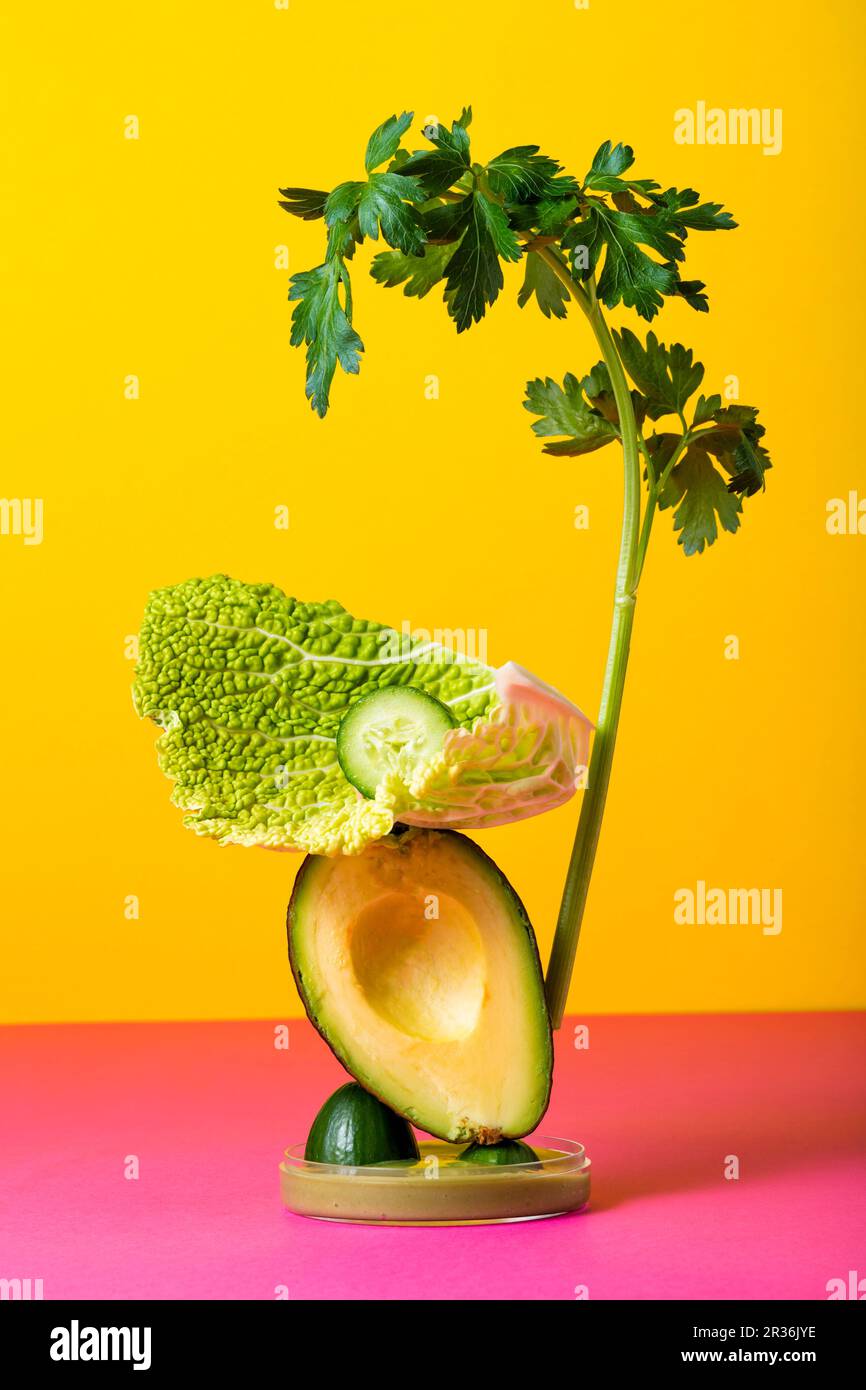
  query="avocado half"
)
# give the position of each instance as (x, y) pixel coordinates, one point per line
(418, 965)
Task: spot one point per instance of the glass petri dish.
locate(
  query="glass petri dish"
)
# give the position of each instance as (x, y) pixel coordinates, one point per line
(439, 1190)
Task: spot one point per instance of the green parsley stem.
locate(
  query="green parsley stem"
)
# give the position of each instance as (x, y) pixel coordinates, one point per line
(655, 490)
(592, 810)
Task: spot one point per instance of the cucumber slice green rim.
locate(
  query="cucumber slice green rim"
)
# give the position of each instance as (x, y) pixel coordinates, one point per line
(389, 730)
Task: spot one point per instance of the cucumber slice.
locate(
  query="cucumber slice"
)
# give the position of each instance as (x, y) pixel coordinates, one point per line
(390, 730)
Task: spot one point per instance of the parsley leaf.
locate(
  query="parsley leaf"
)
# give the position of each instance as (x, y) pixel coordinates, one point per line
(522, 175)
(692, 292)
(633, 278)
(417, 274)
(445, 221)
(641, 216)
(435, 170)
(342, 201)
(455, 140)
(701, 496)
(657, 230)
(551, 296)
(629, 275)
(322, 320)
(703, 499)
(381, 205)
(549, 217)
(667, 377)
(736, 443)
(705, 409)
(598, 390)
(385, 140)
(586, 243)
(307, 203)
(683, 202)
(609, 163)
(446, 164)
(474, 275)
(564, 411)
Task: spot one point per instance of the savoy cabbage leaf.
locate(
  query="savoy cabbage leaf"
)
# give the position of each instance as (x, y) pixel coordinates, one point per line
(249, 687)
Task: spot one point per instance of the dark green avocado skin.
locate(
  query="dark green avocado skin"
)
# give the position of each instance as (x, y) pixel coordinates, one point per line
(509, 1151)
(355, 1129)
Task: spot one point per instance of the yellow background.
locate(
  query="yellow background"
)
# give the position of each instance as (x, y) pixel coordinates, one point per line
(156, 257)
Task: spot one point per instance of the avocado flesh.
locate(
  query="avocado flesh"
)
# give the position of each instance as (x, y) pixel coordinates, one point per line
(417, 963)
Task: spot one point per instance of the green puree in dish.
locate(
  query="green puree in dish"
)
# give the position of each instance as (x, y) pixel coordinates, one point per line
(439, 1187)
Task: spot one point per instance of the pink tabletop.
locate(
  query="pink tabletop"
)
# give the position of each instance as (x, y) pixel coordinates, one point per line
(659, 1102)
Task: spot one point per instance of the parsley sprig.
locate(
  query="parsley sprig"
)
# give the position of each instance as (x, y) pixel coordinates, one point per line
(702, 470)
(606, 241)
(450, 220)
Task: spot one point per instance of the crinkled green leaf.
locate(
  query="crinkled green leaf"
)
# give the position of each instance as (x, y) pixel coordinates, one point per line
(249, 687)
(563, 411)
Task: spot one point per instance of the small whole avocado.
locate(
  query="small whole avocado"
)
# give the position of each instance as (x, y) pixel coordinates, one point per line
(507, 1151)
